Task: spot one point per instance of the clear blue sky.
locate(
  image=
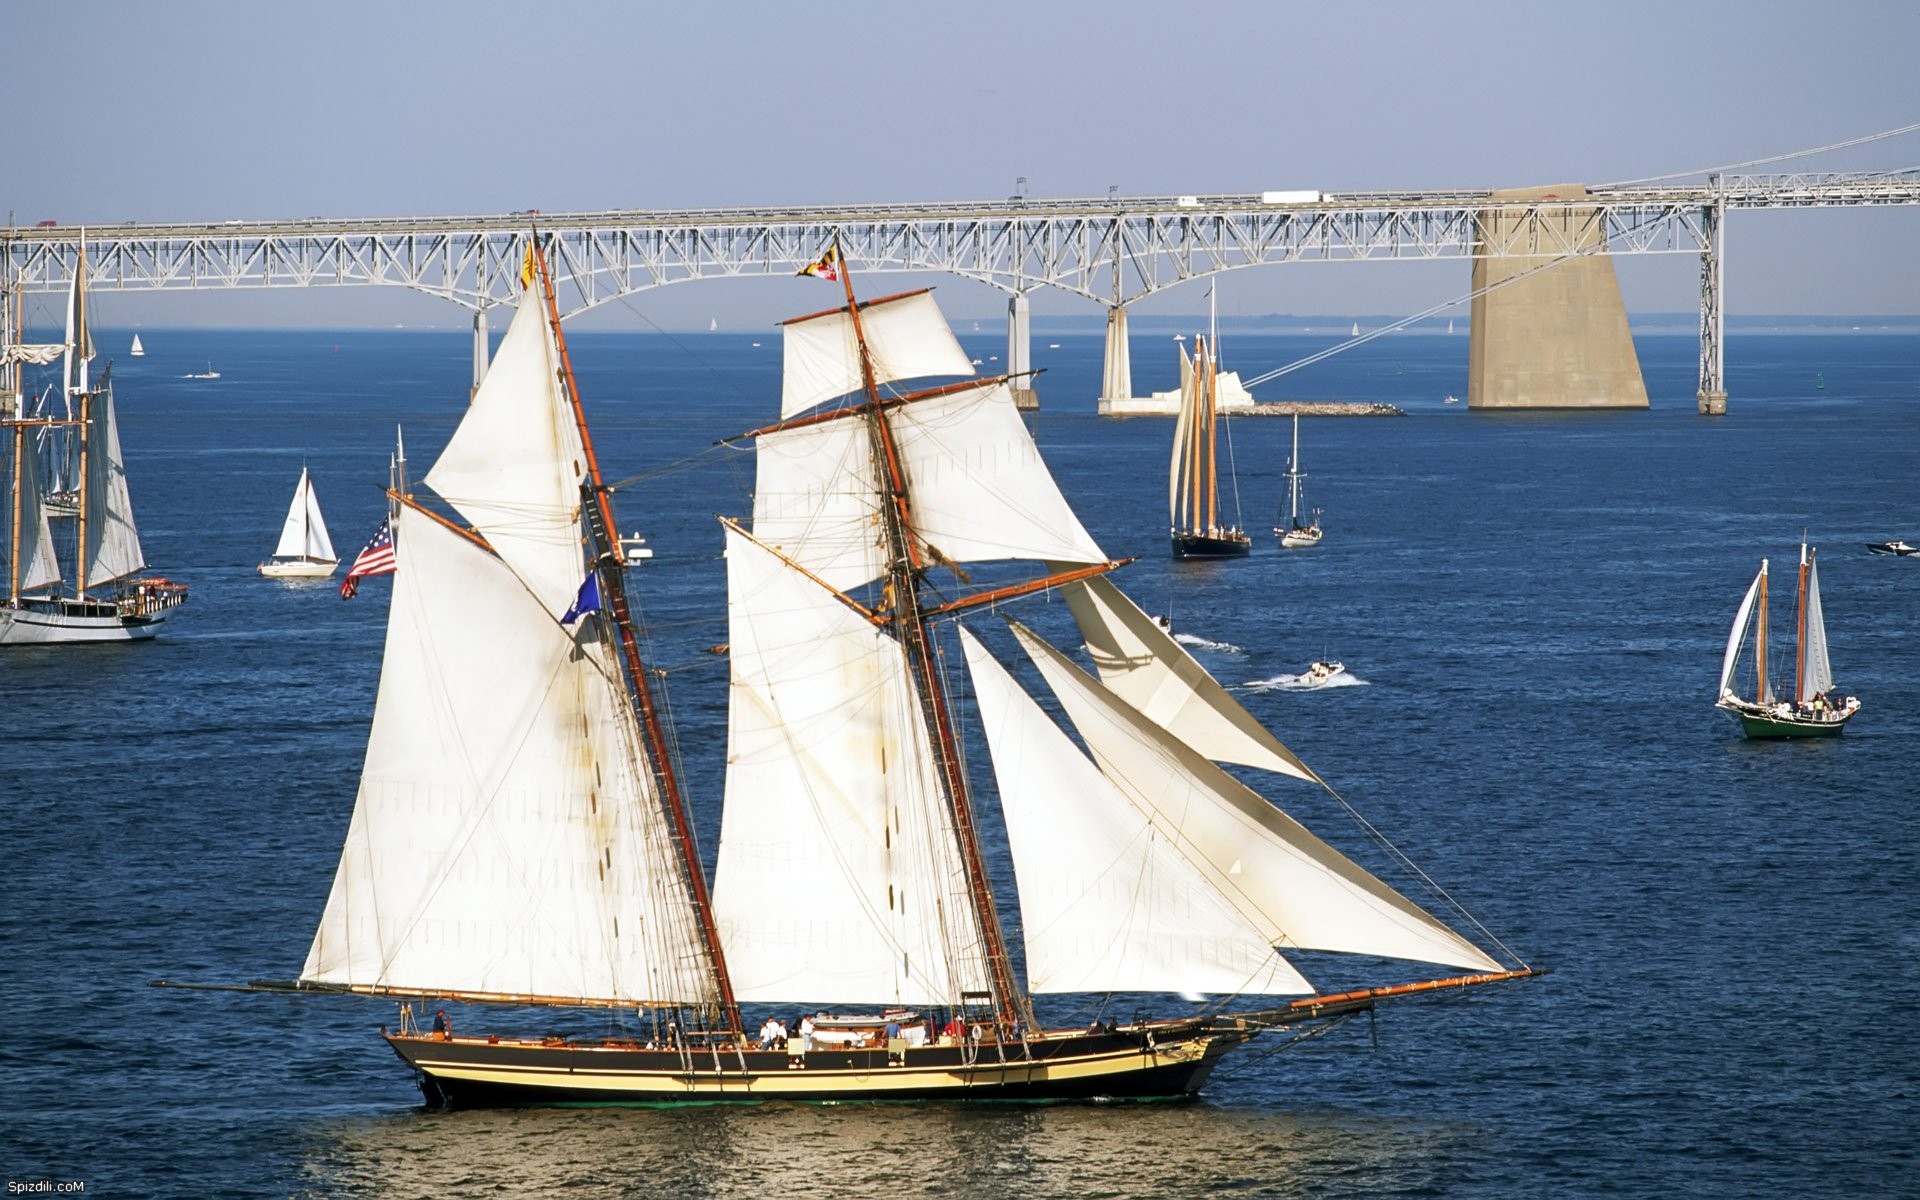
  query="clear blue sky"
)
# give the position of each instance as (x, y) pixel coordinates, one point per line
(199, 110)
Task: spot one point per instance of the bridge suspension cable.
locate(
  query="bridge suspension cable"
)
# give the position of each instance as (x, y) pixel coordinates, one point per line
(1761, 162)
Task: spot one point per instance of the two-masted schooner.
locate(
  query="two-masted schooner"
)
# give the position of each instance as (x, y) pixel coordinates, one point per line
(521, 834)
(86, 518)
(1813, 710)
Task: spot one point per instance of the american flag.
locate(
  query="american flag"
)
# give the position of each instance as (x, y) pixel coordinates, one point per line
(376, 559)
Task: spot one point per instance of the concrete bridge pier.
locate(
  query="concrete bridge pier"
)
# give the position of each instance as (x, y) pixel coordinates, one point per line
(1713, 379)
(1019, 352)
(479, 350)
(1557, 338)
(1116, 381)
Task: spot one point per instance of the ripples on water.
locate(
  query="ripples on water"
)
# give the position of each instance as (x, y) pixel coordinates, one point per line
(1539, 600)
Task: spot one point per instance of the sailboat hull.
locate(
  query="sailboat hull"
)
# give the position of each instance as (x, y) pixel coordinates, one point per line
(1148, 1062)
(70, 621)
(1228, 544)
(1760, 722)
(1298, 538)
(299, 568)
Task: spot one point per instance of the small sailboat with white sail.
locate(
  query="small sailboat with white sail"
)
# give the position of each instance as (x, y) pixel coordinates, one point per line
(209, 373)
(1813, 710)
(557, 864)
(304, 551)
(137, 351)
(1298, 533)
(109, 600)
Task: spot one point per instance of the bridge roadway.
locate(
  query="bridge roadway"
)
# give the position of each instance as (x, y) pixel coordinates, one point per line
(1111, 250)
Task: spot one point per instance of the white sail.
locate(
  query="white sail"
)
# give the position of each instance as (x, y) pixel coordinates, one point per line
(1816, 677)
(1183, 433)
(113, 543)
(39, 567)
(505, 839)
(137, 349)
(79, 344)
(980, 489)
(1139, 662)
(838, 878)
(1107, 902)
(293, 531)
(1730, 661)
(514, 466)
(1298, 891)
(906, 336)
(319, 545)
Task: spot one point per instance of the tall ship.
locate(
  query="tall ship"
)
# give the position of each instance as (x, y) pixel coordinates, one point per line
(84, 518)
(1199, 529)
(521, 834)
(1812, 709)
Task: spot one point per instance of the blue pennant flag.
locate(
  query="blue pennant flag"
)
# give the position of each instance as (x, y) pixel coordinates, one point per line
(587, 601)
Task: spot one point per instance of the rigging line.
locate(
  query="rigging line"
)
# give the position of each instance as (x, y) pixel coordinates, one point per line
(1305, 1033)
(626, 302)
(688, 463)
(1760, 162)
(1408, 864)
(1371, 334)
(1233, 473)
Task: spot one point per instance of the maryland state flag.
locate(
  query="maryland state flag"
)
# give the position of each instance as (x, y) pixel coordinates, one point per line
(828, 267)
(527, 268)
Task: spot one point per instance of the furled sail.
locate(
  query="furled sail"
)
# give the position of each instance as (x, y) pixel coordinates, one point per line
(79, 344)
(505, 840)
(1298, 891)
(1107, 901)
(1142, 664)
(906, 337)
(1730, 661)
(838, 878)
(514, 466)
(1817, 675)
(39, 567)
(113, 544)
(38, 355)
(980, 489)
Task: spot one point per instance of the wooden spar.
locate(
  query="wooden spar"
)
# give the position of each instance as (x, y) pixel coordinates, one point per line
(1015, 590)
(1213, 449)
(867, 614)
(614, 584)
(1330, 1005)
(304, 987)
(1800, 631)
(911, 626)
(852, 305)
(890, 402)
(463, 531)
(1760, 638)
(86, 455)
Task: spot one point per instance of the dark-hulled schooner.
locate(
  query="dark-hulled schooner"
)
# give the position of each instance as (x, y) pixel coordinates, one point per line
(520, 836)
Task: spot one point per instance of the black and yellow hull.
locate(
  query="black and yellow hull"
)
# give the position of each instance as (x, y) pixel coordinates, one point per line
(1154, 1061)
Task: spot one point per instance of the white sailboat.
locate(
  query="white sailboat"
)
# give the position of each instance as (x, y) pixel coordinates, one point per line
(109, 601)
(305, 551)
(1813, 710)
(556, 863)
(209, 373)
(1297, 533)
(138, 351)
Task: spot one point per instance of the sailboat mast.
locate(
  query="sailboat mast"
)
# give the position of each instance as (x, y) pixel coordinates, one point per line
(1213, 442)
(1293, 476)
(1800, 630)
(601, 530)
(911, 626)
(1760, 637)
(10, 386)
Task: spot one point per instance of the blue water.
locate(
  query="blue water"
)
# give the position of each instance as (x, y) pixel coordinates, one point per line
(1536, 602)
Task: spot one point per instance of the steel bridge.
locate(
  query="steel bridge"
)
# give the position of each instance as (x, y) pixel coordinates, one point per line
(1112, 250)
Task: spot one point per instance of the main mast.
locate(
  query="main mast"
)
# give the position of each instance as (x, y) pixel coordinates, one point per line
(912, 628)
(1800, 630)
(597, 506)
(1760, 637)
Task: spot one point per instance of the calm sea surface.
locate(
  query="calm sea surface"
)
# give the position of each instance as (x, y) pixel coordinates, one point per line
(1537, 605)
